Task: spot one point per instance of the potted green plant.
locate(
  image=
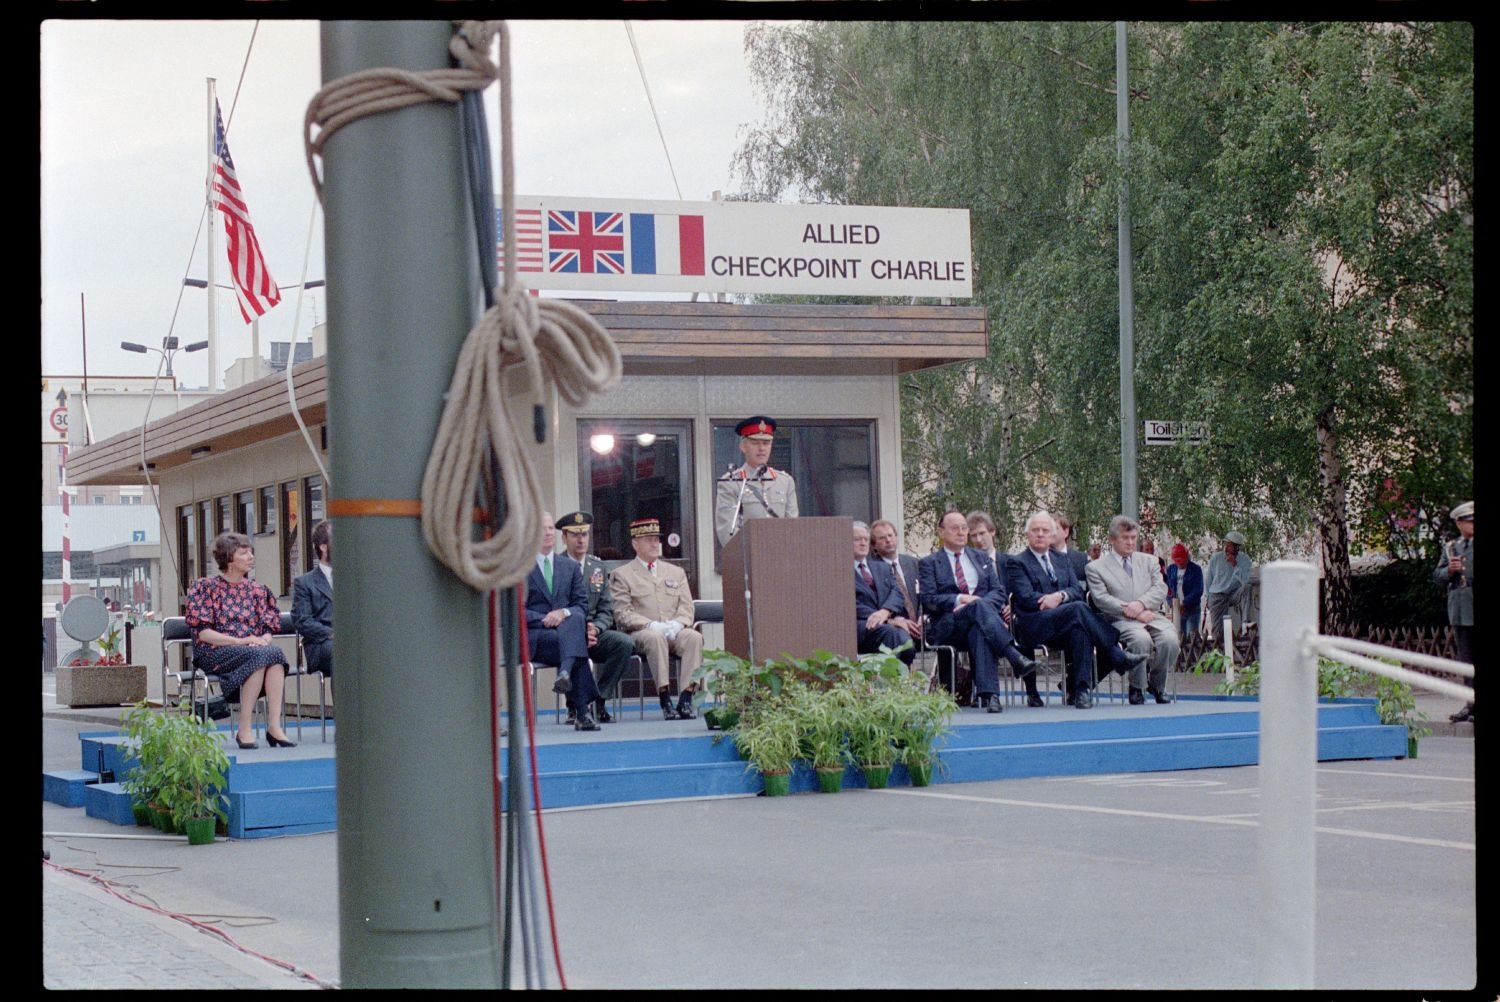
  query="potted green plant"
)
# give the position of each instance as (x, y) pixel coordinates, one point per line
(105, 680)
(734, 683)
(767, 735)
(194, 777)
(922, 719)
(873, 712)
(823, 722)
(1395, 703)
(140, 729)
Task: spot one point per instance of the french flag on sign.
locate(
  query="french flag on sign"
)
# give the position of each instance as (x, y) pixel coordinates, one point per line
(665, 244)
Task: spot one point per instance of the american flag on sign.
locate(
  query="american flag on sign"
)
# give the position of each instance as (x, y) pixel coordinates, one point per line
(587, 243)
(253, 284)
(528, 240)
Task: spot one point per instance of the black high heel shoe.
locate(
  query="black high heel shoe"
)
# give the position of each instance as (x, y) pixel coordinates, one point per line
(279, 743)
(252, 744)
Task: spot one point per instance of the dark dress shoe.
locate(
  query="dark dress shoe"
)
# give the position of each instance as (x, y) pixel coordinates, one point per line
(563, 685)
(1035, 699)
(1084, 699)
(1020, 662)
(685, 707)
(667, 713)
(601, 712)
(276, 742)
(1159, 696)
(585, 721)
(1137, 697)
(572, 716)
(992, 703)
(1462, 716)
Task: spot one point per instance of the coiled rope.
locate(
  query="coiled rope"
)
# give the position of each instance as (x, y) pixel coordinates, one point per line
(555, 341)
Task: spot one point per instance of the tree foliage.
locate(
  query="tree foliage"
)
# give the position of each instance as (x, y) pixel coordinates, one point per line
(1302, 203)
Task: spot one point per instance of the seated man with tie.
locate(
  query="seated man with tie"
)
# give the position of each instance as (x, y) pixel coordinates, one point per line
(1128, 590)
(903, 570)
(312, 604)
(879, 611)
(654, 604)
(755, 490)
(1050, 609)
(963, 596)
(556, 628)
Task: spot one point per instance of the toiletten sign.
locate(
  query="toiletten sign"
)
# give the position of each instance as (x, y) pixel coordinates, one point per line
(604, 245)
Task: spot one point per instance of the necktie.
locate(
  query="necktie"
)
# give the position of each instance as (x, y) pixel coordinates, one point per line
(547, 571)
(958, 574)
(652, 568)
(864, 572)
(1047, 562)
(1125, 561)
(911, 611)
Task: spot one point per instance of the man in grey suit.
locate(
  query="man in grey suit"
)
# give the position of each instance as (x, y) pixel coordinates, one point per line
(903, 567)
(1127, 589)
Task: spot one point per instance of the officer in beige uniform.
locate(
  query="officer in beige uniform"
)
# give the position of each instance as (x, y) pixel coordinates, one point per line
(754, 490)
(654, 604)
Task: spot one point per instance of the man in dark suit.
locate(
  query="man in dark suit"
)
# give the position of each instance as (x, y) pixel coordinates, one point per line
(879, 611)
(1049, 609)
(963, 596)
(312, 604)
(1063, 542)
(609, 649)
(903, 572)
(556, 628)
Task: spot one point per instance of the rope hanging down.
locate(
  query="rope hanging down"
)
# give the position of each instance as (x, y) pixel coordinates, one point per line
(555, 341)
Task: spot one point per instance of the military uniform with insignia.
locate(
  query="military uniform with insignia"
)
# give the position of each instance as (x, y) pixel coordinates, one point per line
(749, 492)
(609, 649)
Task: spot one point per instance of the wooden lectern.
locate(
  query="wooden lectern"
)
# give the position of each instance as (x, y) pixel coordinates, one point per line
(800, 575)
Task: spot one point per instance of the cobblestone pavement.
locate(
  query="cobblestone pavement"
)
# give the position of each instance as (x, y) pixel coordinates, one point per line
(91, 939)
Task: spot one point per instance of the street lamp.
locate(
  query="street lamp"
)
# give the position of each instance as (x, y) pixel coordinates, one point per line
(213, 355)
(169, 347)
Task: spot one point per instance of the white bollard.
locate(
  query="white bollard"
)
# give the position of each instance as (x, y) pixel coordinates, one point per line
(1226, 629)
(1288, 784)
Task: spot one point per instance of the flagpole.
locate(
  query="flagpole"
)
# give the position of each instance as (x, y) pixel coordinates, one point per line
(213, 222)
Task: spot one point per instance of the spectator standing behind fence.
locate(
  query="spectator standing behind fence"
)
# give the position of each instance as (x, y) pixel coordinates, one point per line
(1455, 572)
(1227, 584)
(1185, 591)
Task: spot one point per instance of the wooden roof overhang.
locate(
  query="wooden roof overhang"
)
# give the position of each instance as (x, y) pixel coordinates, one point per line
(724, 337)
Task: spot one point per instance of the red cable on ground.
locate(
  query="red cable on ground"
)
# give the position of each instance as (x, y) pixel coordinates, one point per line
(536, 793)
(108, 888)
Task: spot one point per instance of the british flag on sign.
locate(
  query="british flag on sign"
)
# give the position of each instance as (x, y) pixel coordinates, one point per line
(586, 243)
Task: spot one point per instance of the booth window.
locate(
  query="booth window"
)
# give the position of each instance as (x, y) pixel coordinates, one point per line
(312, 497)
(187, 549)
(833, 462)
(291, 552)
(206, 565)
(267, 523)
(226, 516)
(244, 513)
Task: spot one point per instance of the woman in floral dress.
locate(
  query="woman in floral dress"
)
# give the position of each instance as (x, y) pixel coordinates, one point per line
(232, 617)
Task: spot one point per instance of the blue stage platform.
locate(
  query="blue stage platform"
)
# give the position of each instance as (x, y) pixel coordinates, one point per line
(288, 791)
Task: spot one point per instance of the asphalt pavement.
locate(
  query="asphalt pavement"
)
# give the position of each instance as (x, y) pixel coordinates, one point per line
(1123, 881)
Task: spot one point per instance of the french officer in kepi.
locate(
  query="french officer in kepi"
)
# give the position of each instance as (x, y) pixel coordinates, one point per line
(755, 490)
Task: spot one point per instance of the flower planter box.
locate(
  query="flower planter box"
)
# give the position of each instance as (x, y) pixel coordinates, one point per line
(100, 685)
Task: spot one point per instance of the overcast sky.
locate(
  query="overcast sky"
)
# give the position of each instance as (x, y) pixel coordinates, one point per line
(124, 154)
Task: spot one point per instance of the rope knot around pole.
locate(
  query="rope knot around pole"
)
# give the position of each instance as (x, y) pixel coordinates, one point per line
(554, 341)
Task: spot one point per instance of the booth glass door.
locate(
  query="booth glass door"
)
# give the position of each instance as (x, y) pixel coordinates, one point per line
(639, 468)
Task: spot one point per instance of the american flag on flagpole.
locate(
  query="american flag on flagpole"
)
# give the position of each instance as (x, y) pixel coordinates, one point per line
(252, 282)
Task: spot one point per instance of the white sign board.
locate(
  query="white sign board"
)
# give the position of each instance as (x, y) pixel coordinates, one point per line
(1171, 432)
(603, 245)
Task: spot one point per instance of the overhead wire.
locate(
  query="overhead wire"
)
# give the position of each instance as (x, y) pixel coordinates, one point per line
(629, 31)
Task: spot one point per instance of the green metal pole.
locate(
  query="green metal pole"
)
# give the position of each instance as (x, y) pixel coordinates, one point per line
(416, 856)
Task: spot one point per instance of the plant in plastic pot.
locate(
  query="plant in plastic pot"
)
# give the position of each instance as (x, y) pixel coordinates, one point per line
(823, 721)
(767, 735)
(195, 771)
